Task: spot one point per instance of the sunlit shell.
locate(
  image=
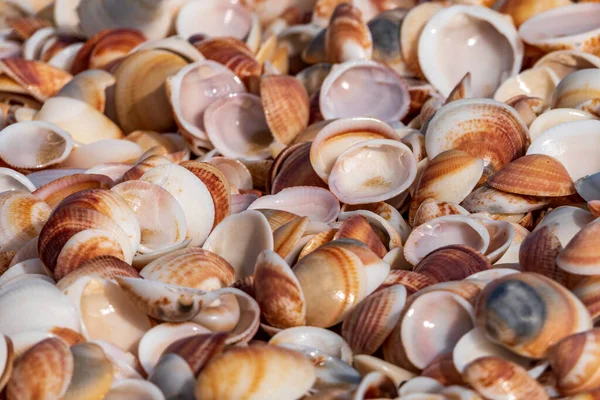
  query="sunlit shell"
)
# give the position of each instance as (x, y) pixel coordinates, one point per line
(60, 188)
(580, 255)
(357, 227)
(41, 80)
(383, 218)
(431, 209)
(552, 313)
(577, 88)
(105, 267)
(536, 82)
(488, 199)
(22, 217)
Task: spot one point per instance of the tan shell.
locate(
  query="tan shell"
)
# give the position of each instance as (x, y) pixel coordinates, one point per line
(42, 81)
(198, 350)
(495, 377)
(431, 209)
(522, 10)
(412, 281)
(105, 267)
(348, 37)
(452, 263)
(357, 227)
(59, 189)
(587, 292)
(286, 106)
(43, 372)
(22, 217)
(256, 372)
(581, 256)
(92, 373)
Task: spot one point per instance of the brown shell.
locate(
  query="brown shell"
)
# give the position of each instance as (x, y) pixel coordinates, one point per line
(23, 217)
(286, 105)
(373, 319)
(581, 256)
(292, 167)
(529, 108)
(217, 185)
(357, 227)
(412, 281)
(594, 207)
(574, 362)
(453, 263)
(42, 372)
(285, 237)
(431, 209)
(534, 175)
(25, 27)
(317, 241)
(59, 189)
(60, 43)
(347, 29)
(105, 267)
(522, 10)
(462, 90)
(494, 377)
(259, 169)
(234, 54)
(68, 335)
(92, 373)
(442, 369)
(277, 218)
(278, 292)
(144, 166)
(198, 350)
(41, 81)
(588, 291)
(5, 260)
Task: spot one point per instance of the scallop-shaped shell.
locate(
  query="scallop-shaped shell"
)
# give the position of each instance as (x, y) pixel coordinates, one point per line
(348, 37)
(431, 209)
(563, 28)
(374, 319)
(587, 292)
(275, 380)
(191, 193)
(449, 176)
(444, 37)
(44, 371)
(552, 313)
(573, 362)
(287, 238)
(278, 292)
(193, 267)
(444, 231)
(412, 281)
(22, 217)
(391, 169)
(292, 167)
(286, 106)
(487, 199)
(198, 350)
(246, 135)
(140, 98)
(34, 144)
(577, 88)
(40, 80)
(104, 267)
(570, 143)
(581, 256)
(497, 378)
(534, 175)
(60, 188)
(482, 128)
(85, 123)
(194, 88)
(452, 263)
(358, 88)
(357, 227)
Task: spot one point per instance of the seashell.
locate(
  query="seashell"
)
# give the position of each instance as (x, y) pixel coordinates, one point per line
(104, 267)
(442, 370)
(198, 350)
(198, 78)
(27, 267)
(287, 237)
(455, 392)
(286, 106)
(157, 340)
(579, 255)
(385, 31)
(366, 364)
(317, 241)
(376, 384)
(251, 230)
(358, 88)
(190, 192)
(571, 367)
(452, 263)
(232, 137)
(140, 98)
(307, 201)
(496, 378)
(565, 142)
(488, 199)
(92, 372)
(103, 152)
(26, 340)
(586, 291)
(292, 167)
(552, 313)
(312, 77)
(496, 36)
(594, 207)
(374, 319)
(174, 44)
(22, 217)
(449, 176)
(529, 108)
(521, 11)
(152, 19)
(144, 166)
(559, 32)
(90, 87)
(32, 47)
(25, 27)
(564, 62)
(536, 82)
(12, 180)
(534, 175)
(591, 106)
(431, 209)
(376, 183)
(419, 343)
(41, 81)
(457, 229)
(412, 281)
(384, 219)
(482, 136)
(570, 220)
(272, 383)
(217, 185)
(44, 371)
(310, 337)
(551, 118)
(576, 88)
(39, 299)
(114, 171)
(357, 227)
(56, 190)
(348, 37)
(173, 376)
(134, 389)
(421, 386)
(236, 173)
(34, 145)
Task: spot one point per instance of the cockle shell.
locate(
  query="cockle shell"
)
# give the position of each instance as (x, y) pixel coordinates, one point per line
(580, 255)
(92, 372)
(536, 82)
(452, 263)
(529, 331)
(444, 37)
(59, 188)
(348, 37)
(320, 339)
(488, 199)
(292, 167)
(485, 129)
(104, 267)
(577, 88)
(555, 117)
(431, 209)
(41, 80)
(89, 86)
(22, 217)
(570, 220)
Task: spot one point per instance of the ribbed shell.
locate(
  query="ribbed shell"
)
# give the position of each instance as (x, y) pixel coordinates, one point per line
(348, 37)
(41, 80)
(453, 263)
(357, 227)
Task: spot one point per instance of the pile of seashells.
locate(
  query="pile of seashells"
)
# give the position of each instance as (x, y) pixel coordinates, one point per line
(285, 199)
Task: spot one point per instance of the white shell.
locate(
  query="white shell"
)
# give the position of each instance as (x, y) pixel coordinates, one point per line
(13, 180)
(558, 116)
(213, 18)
